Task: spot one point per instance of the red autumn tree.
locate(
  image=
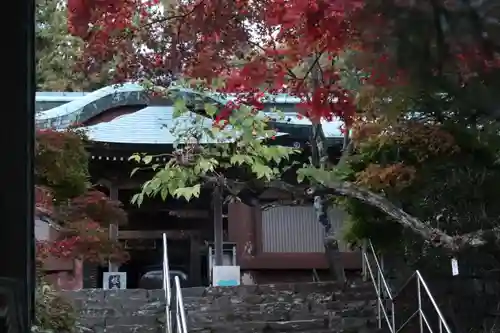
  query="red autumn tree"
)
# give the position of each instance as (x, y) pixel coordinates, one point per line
(63, 196)
(370, 63)
(279, 45)
(415, 80)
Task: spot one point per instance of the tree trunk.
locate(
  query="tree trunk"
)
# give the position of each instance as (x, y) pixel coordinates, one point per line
(332, 251)
(319, 159)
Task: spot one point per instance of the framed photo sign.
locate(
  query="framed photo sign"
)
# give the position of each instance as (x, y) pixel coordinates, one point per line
(114, 280)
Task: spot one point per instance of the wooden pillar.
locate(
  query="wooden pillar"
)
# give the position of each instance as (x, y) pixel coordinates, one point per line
(218, 225)
(195, 261)
(90, 275)
(113, 228)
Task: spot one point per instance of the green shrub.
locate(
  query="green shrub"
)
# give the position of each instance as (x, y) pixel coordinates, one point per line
(53, 314)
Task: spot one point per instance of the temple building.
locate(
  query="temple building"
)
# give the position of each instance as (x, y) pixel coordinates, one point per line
(274, 245)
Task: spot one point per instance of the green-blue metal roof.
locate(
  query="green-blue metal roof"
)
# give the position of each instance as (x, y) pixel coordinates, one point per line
(157, 126)
(48, 100)
(150, 125)
(42, 96)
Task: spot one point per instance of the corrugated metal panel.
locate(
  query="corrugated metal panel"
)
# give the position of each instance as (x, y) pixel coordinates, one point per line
(295, 229)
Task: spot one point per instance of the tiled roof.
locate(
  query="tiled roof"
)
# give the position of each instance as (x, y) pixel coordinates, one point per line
(156, 126)
(153, 125)
(150, 125)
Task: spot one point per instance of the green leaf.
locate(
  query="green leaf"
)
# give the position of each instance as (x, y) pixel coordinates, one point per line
(137, 199)
(248, 122)
(210, 109)
(262, 171)
(241, 159)
(147, 159)
(205, 165)
(135, 157)
(134, 171)
(188, 192)
(164, 193)
(179, 107)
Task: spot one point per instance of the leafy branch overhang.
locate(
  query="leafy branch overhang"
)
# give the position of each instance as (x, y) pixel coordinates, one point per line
(301, 192)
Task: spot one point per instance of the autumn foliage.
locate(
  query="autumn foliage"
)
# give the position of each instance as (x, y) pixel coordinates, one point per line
(415, 81)
(291, 46)
(398, 73)
(211, 40)
(63, 195)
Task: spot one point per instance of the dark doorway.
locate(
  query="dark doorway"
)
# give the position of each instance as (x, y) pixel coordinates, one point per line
(146, 260)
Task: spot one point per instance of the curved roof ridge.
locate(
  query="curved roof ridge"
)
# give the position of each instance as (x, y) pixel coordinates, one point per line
(58, 96)
(92, 104)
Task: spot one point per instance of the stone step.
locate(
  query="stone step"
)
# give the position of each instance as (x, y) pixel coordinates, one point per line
(151, 324)
(281, 311)
(149, 329)
(224, 300)
(314, 300)
(123, 309)
(263, 326)
(303, 287)
(104, 321)
(311, 301)
(241, 292)
(295, 326)
(279, 307)
(125, 329)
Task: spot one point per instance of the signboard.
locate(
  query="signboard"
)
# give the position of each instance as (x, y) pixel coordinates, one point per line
(228, 257)
(114, 280)
(226, 276)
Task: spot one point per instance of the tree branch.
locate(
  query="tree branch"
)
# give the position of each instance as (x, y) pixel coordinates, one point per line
(437, 237)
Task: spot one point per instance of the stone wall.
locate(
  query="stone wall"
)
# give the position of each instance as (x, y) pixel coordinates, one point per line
(302, 307)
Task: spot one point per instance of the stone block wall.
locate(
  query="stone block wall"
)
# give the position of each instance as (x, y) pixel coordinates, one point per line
(301, 307)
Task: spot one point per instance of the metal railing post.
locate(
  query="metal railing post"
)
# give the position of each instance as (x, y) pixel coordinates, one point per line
(166, 286)
(364, 263)
(384, 293)
(175, 314)
(420, 314)
(393, 310)
(379, 301)
(180, 301)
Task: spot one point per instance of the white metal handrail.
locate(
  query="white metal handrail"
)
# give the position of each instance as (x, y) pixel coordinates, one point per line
(384, 294)
(180, 312)
(166, 286)
(175, 314)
